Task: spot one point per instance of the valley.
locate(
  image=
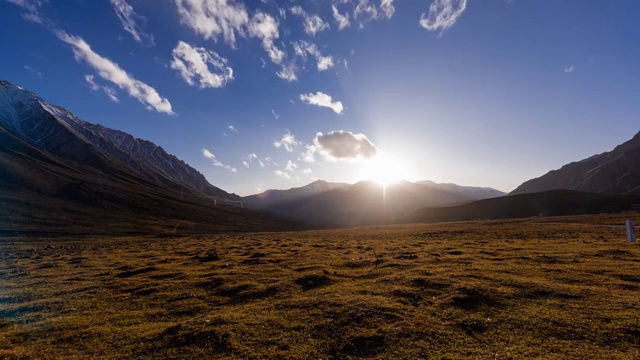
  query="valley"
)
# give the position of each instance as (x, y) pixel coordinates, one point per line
(553, 288)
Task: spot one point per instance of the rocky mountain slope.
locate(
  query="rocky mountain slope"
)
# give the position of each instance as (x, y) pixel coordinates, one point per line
(614, 172)
(62, 175)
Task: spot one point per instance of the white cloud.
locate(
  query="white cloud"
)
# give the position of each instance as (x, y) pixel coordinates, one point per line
(110, 71)
(275, 114)
(365, 11)
(249, 159)
(291, 166)
(128, 18)
(569, 69)
(303, 49)
(313, 24)
(110, 92)
(288, 142)
(34, 71)
(282, 174)
(344, 146)
(442, 14)
(232, 128)
(288, 72)
(307, 171)
(32, 7)
(268, 161)
(325, 63)
(387, 8)
(341, 20)
(213, 18)
(323, 100)
(196, 64)
(265, 28)
(309, 154)
(297, 10)
(209, 155)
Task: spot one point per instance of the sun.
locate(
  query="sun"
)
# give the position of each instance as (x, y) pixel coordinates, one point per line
(384, 169)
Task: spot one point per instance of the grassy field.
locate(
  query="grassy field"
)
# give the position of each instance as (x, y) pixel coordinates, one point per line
(553, 288)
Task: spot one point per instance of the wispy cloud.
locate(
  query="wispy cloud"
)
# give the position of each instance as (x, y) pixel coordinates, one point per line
(344, 146)
(442, 14)
(312, 24)
(249, 159)
(268, 161)
(291, 166)
(209, 155)
(112, 72)
(341, 19)
(128, 18)
(288, 142)
(323, 100)
(232, 128)
(34, 71)
(33, 9)
(303, 49)
(214, 18)
(387, 8)
(197, 64)
(288, 72)
(110, 92)
(282, 174)
(265, 27)
(275, 114)
(307, 171)
(569, 69)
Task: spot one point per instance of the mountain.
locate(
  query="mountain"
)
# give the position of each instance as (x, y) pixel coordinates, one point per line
(548, 203)
(466, 192)
(272, 198)
(60, 174)
(614, 172)
(323, 204)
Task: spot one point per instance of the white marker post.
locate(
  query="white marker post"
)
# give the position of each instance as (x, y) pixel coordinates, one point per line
(631, 231)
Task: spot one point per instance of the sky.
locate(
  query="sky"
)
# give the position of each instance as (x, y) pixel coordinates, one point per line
(270, 94)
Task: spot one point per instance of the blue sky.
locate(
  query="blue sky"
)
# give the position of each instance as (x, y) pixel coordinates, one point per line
(275, 94)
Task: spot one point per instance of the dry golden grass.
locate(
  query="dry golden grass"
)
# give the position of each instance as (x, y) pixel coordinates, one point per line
(552, 288)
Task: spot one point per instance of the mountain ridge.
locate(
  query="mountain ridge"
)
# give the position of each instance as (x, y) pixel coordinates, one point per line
(323, 204)
(614, 172)
(26, 115)
(60, 175)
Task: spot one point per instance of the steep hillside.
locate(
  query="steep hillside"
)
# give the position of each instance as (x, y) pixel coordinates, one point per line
(62, 175)
(614, 172)
(548, 203)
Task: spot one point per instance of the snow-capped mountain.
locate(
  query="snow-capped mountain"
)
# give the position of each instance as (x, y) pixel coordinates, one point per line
(57, 131)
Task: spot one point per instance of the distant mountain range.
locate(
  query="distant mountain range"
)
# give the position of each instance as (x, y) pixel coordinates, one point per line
(614, 172)
(324, 204)
(61, 174)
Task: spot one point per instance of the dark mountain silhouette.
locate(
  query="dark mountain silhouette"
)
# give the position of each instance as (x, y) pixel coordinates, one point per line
(548, 203)
(62, 175)
(614, 172)
(323, 204)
